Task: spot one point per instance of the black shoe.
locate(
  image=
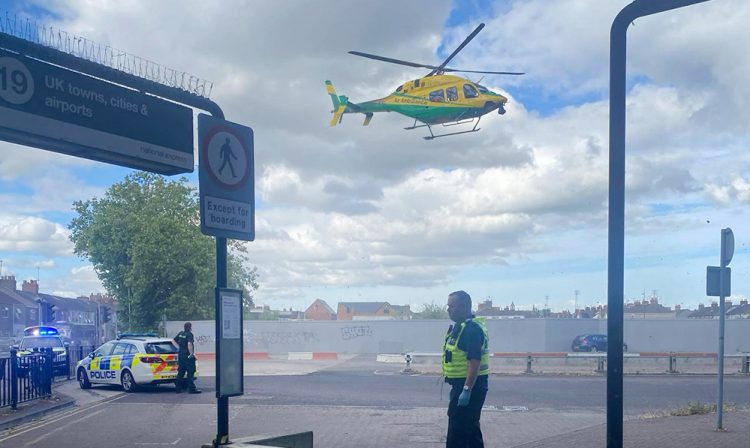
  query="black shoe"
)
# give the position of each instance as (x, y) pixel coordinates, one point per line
(196, 391)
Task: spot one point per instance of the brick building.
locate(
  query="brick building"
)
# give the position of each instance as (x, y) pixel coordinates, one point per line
(319, 310)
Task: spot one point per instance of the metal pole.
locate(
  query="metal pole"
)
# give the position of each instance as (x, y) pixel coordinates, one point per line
(222, 405)
(616, 243)
(720, 360)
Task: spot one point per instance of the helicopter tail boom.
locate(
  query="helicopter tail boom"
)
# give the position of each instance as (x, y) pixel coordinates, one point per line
(342, 105)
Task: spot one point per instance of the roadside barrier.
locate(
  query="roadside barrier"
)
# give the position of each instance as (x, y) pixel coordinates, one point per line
(531, 358)
(26, 377)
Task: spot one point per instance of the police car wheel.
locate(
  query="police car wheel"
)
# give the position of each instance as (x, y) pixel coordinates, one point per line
(83, 379)
(128, 383)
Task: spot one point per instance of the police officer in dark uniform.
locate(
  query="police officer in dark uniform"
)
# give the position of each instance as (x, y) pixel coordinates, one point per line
(186, 359)
(466, 367)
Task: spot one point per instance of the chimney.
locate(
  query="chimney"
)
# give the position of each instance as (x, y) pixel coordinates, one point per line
(700, 306)
(743, 302)
(637, 303)
(31, 286)
(678, 308)
(654, 301)
(8, 281)
(714, 305)
(727, 304)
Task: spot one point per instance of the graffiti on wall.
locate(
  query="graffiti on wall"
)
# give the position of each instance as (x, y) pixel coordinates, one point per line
(282, 337)
(358, 331)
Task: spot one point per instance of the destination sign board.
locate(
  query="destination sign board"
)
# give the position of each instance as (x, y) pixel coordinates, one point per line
(57, 109)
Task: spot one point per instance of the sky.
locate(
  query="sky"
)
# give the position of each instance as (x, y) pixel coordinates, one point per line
(514, 213)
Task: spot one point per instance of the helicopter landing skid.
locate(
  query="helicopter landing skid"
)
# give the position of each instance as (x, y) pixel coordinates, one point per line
(432, 136)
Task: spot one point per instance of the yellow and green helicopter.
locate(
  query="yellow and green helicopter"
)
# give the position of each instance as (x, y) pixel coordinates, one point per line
(436, 98)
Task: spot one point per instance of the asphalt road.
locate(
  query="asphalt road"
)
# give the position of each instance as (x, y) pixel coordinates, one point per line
(159, 417)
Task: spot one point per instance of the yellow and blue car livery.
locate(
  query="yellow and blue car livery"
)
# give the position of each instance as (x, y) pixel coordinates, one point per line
(130, 362)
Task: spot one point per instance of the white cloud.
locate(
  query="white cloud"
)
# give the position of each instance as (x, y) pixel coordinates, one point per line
(34, 235)
(378, 206)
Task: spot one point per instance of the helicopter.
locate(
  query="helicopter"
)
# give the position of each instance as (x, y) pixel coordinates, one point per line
(436, 98)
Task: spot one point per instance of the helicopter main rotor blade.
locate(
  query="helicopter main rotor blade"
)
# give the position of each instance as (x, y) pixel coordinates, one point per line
(391, 60)
(445, 69)
(431, 67)
(468, 39)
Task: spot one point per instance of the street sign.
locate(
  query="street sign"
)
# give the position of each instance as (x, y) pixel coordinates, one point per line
(227, 180)
(727, 246)
(716, 287)
(229, 361)
(57, 109)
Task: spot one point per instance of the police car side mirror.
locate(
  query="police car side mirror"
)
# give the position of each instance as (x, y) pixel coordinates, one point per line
(91, 355)
(15, 347)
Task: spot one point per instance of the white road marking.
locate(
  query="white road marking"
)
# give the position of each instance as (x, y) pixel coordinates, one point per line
(159, 443)
(36, 425)
(44, 436)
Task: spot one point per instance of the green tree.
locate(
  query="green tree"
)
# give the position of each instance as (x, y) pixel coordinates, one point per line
(143, 238)
(432, 311)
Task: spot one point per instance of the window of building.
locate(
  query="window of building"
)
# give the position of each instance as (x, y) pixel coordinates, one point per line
(437, 96)
(452, 93)
(470, 91)
(4, 312)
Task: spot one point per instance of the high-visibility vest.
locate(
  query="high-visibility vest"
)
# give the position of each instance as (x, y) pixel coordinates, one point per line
(455, 364)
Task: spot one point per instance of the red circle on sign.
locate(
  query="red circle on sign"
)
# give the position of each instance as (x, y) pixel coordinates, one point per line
(204, 156)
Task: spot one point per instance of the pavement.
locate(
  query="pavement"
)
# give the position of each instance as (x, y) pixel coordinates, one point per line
(424, 427)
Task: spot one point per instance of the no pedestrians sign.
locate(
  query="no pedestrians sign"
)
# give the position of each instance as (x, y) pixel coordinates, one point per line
(227, 190)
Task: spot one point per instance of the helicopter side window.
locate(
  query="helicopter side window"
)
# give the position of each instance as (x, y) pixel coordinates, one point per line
(437, 96)
(416, 83)
(470, 91)
(399, 88)
(452, 93)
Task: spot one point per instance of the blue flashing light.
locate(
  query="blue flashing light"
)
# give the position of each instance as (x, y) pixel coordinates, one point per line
(41, 331)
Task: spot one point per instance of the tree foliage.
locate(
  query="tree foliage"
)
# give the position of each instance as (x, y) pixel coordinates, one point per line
(432, 311)
(143, 238)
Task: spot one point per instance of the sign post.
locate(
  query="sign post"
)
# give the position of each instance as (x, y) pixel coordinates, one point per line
(719, 283)
(227, 201)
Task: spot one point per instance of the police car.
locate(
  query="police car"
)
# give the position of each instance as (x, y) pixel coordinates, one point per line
(43, 337)
(130, 361)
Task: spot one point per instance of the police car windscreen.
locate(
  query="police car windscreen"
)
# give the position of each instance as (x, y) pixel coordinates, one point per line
(161, 348)
(40, 342)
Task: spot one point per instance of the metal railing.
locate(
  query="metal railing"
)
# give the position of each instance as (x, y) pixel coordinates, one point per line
(25, 378)
(532, 358)
(76, 353)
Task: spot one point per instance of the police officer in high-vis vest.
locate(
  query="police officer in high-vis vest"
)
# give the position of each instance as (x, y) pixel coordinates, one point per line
(185, 342)
(466, 367)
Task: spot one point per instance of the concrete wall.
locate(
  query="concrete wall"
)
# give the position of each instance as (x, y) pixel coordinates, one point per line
(506, 335)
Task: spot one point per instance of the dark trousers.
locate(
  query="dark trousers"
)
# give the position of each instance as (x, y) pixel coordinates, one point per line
(463, 422)
(185, 365)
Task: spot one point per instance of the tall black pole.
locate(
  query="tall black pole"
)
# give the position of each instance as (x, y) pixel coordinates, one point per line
(616, 249)
(222, 403)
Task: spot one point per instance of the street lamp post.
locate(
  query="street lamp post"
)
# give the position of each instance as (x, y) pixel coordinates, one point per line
(616, 243)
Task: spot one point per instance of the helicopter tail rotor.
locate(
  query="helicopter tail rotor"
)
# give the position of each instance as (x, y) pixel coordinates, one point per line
(339, 104)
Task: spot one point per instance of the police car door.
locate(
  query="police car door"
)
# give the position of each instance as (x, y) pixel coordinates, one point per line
(98, 360)
(115, 362)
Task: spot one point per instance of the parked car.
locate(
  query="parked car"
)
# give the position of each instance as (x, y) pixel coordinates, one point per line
(44, 337)
(592, 343)
(131, 361)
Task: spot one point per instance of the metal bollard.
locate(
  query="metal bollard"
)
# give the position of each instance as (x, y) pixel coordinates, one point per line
(746, 363)
(13, 379)
(672, 363)
(600, 364)
(528, 364)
